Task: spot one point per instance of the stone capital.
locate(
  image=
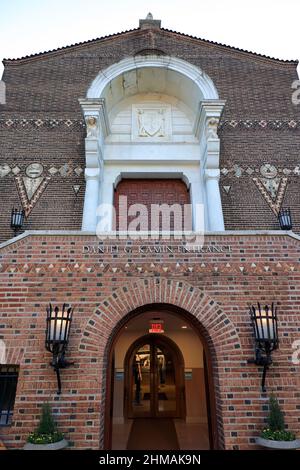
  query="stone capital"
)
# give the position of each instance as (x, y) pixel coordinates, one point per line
(208, 118)
(95, 115)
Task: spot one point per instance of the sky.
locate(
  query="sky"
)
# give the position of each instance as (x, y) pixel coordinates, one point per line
(268, 27)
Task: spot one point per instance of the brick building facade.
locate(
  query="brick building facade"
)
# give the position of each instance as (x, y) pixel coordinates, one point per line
(61, 144)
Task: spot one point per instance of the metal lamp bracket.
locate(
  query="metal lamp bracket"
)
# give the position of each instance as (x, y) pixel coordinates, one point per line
(264, 360)
(58, 363)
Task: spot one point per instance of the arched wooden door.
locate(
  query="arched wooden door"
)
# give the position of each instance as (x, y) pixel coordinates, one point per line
(154, 380)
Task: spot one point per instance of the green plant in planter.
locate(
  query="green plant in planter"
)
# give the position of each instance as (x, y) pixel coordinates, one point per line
(46, 432)
(276, 428)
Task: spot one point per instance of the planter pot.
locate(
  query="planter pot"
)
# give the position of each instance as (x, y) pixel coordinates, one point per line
(278, 444)
(55, 446)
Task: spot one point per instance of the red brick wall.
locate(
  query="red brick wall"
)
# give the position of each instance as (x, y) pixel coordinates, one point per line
(215, 288)
(152, 191)
(253, 86)
(47, 87)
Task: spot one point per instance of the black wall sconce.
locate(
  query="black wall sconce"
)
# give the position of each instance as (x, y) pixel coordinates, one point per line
(16, 220)
(57, 337)
(285, 219)
(264, 323)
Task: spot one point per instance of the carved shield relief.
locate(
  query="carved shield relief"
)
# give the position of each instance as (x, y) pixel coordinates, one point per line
(151, 123)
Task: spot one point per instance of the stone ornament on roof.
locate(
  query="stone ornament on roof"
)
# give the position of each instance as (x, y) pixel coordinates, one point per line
(149, 22)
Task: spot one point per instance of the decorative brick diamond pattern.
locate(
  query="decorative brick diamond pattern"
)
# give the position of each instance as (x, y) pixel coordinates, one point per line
(27, 204)
(273, 202)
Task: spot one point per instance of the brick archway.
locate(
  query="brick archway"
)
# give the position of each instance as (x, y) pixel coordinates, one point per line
(217, 330)
(101, 326)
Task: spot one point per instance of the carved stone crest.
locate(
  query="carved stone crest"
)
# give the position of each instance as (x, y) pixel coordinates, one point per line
(151, 123)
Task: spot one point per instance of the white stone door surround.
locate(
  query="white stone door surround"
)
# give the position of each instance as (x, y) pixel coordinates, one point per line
(197, 163)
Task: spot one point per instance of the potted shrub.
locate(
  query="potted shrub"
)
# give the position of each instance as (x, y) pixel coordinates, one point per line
(46, 436)
(275, 436)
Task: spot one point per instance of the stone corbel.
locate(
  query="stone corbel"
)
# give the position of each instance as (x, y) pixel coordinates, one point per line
(92, 127)
(206, 125)
(211, 129)
(97, 128)
(96, 107)
(208, 109)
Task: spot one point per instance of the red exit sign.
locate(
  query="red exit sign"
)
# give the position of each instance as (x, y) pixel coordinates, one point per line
(156, 327)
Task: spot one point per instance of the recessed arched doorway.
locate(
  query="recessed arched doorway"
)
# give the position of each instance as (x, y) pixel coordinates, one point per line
(154, 379)
(184, 394)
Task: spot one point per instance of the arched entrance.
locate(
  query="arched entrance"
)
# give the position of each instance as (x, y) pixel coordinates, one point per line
(107, 323)
(165, 376)
(168, 104)
(154, 380)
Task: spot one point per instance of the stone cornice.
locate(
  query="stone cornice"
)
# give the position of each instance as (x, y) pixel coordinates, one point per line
(79, 233)
(220, 255)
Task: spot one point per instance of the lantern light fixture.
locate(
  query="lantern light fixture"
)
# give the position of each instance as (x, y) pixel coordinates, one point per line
(17, 220)
(264, 323)
(285, 219)
(58, 326)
